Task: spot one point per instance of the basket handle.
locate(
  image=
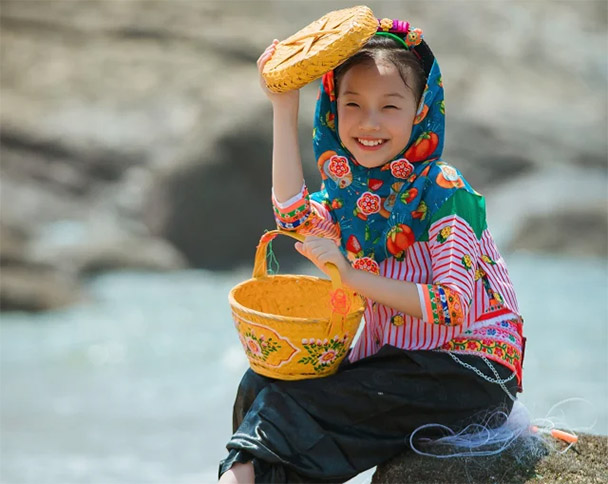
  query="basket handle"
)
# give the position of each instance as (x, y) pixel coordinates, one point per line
(260, 268)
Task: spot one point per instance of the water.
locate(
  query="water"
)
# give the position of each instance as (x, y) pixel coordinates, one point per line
(137, 386)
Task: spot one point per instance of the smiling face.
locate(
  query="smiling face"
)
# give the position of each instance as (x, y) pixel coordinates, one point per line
(376, 111)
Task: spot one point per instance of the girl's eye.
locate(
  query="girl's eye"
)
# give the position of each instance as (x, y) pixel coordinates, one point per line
(352, 104)
(390, 106)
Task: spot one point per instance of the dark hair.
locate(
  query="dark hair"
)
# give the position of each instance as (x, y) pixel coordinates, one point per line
(382, 48)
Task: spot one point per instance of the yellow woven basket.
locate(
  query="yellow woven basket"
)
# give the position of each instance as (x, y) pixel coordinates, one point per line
(294, 327)
(318, 48)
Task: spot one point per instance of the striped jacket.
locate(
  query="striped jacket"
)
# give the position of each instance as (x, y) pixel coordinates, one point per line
(467, 299)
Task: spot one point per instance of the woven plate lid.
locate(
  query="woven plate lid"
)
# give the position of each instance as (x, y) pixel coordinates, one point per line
(319, 47)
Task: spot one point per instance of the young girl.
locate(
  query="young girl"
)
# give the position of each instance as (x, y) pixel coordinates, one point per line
(442, 341)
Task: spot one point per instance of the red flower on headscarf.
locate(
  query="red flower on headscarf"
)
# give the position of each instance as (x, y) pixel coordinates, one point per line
(369, 203)
(338, 166)
(401, 168)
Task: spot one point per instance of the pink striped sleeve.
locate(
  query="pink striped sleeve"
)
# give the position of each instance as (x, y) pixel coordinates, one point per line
(305, 216)
(454, 249)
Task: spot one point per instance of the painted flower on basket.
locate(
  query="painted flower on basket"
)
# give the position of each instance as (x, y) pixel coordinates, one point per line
(259, 347)
(328, 357)
(253, 346)
(322, 354)
(401, 168)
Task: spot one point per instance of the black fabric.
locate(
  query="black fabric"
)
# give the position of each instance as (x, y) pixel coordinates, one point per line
(333, 428)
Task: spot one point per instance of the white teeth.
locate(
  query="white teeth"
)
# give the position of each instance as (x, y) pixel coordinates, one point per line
(369, 142)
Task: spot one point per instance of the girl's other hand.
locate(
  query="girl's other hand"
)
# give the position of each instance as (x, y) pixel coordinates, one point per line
(288, 97)
(321, 250)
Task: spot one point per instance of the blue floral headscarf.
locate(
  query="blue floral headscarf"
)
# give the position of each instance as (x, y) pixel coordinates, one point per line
(382, 211)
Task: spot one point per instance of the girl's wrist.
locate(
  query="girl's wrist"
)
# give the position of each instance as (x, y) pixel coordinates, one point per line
(288, 102)
(346, 274)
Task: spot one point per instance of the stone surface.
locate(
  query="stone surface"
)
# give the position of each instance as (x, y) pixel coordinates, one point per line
(32, 288)
(523, 463)
(553, 232)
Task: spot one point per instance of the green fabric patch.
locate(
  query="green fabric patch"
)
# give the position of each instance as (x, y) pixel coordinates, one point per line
(468, 206)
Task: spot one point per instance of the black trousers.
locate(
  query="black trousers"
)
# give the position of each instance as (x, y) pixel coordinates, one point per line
(331, 429)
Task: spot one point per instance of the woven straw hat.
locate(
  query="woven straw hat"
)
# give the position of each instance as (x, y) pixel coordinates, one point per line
(318, 48)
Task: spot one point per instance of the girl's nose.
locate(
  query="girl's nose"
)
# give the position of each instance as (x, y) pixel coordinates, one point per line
(370, 121)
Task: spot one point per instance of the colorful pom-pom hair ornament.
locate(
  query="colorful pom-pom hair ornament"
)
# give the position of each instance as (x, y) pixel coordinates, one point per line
(393, 25)
(408, 37)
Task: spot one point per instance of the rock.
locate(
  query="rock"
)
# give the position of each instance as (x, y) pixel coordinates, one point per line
(161, 127)
(488, 157)
(524, 462)
(31, 288)
(47, 272)
(27, 285)
(12, 245)
(83, 249)
(215, 207)
(579, 231)
(145, 253)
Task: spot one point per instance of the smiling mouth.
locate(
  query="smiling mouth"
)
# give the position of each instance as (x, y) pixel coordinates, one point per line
(370, 143)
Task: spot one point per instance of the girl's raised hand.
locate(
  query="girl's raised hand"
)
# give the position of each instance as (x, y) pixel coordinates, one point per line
(276, 98)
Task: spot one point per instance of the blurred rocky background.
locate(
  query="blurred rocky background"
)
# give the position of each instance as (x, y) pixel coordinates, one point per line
(135, 172)
(134, 133)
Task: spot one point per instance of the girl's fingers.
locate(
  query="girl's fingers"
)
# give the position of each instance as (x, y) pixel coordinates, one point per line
(266, 53)
(271, 48)
(322, 254)
(307, 250)
(265, 57)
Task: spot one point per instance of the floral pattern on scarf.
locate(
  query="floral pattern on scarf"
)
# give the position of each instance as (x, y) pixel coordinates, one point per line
(382, 211)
